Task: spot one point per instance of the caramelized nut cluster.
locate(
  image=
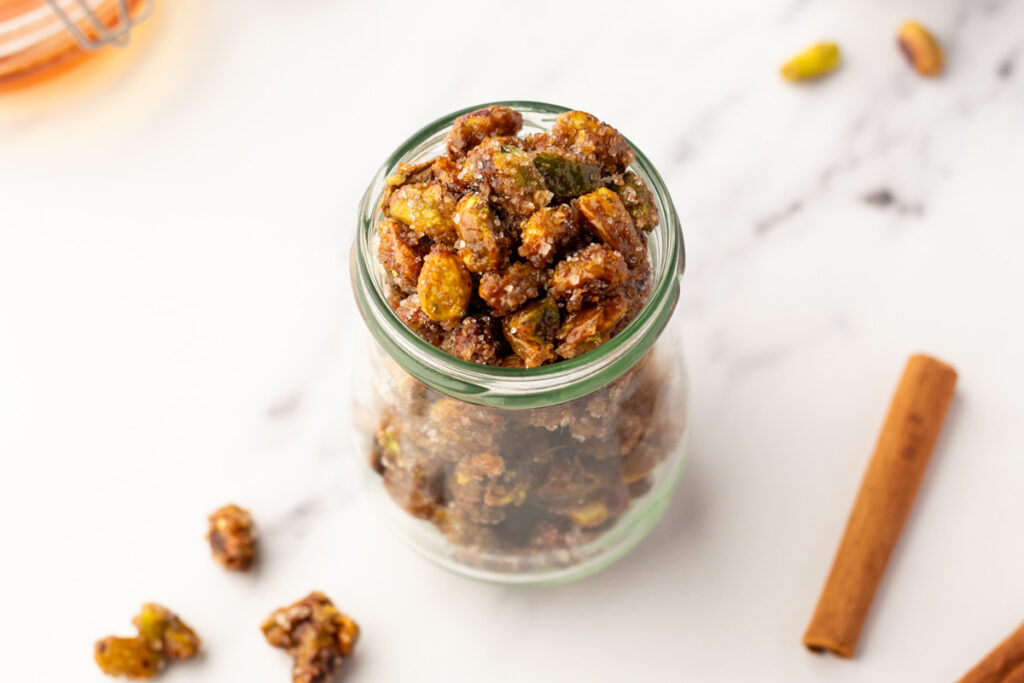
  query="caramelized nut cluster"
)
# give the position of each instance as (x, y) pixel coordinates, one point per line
(233, 538)
(162, 636)
(316, 634)
(518, 250)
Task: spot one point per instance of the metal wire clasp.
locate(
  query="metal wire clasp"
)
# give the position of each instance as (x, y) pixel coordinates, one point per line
(71, 12)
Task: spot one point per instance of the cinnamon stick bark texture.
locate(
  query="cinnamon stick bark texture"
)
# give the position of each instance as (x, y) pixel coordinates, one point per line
(886, 496)
(1005, 664)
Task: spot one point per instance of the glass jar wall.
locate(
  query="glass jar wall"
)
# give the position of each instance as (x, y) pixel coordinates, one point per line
(520, 475)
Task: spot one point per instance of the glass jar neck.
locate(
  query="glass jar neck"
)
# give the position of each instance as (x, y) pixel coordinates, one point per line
(514, 388)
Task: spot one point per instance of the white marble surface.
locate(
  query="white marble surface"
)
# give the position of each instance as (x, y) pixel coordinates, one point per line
(175, 315)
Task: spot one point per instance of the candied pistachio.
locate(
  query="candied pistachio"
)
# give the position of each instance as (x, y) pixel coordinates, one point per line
(444, 286)
(482, 243)
(414, 479)
(509, 488)
(315, 633)
(634, 420)
(599, 448)
(588, 328)
(464, 533)
(507, 290)
(546, 232)
(921, 49)
(592, 140)
(596, 418)
(454, 428)
(588, 275)
(638, 200)
(530, 331)
(456, 413)
(385, 443)
(815, 62)
(568, 483)
(401, 390)
(536, 142)
(477, 339)
(511, 361)
(127, 657)
(589, 515)
(446, 171)
(505, 174)
(565, 175)
(165, 632)
(482, 486)
(641, 461)
(427, 208)
(554, 534)
(552, 418)
(410, 172)
(399, 251)
(469, 130)
(637, 290)
(410, 313)
(232, 538)
(387, 437)
(610, 221)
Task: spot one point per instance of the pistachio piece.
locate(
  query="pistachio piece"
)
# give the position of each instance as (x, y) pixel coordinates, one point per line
(921, 49)
(815, 62)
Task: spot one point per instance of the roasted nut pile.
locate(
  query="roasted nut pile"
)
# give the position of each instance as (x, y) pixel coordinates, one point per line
(518, 251)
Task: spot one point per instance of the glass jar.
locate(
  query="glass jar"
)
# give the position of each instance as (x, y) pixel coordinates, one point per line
(36, 35)
(520, 476)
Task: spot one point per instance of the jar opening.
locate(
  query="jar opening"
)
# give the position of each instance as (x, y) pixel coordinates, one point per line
(514, 387)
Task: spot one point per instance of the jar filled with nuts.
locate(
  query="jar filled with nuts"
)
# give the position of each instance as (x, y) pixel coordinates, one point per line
(520, 409)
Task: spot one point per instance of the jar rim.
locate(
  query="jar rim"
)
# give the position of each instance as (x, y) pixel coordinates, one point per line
(515, 388)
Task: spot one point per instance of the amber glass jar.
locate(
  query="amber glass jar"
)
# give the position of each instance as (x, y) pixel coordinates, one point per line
(513, 475)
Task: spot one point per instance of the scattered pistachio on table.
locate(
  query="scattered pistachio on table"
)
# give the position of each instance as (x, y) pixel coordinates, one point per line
(815, 62)
(921, 49)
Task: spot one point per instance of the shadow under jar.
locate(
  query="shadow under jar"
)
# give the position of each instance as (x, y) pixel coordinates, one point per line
(520, 475)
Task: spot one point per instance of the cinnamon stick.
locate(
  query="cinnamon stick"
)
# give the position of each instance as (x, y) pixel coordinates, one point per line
(1005, 664)
(886, 496)
(1015, 676)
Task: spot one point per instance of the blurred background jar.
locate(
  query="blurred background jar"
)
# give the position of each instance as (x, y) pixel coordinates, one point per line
(39, 36)
(524, 476)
